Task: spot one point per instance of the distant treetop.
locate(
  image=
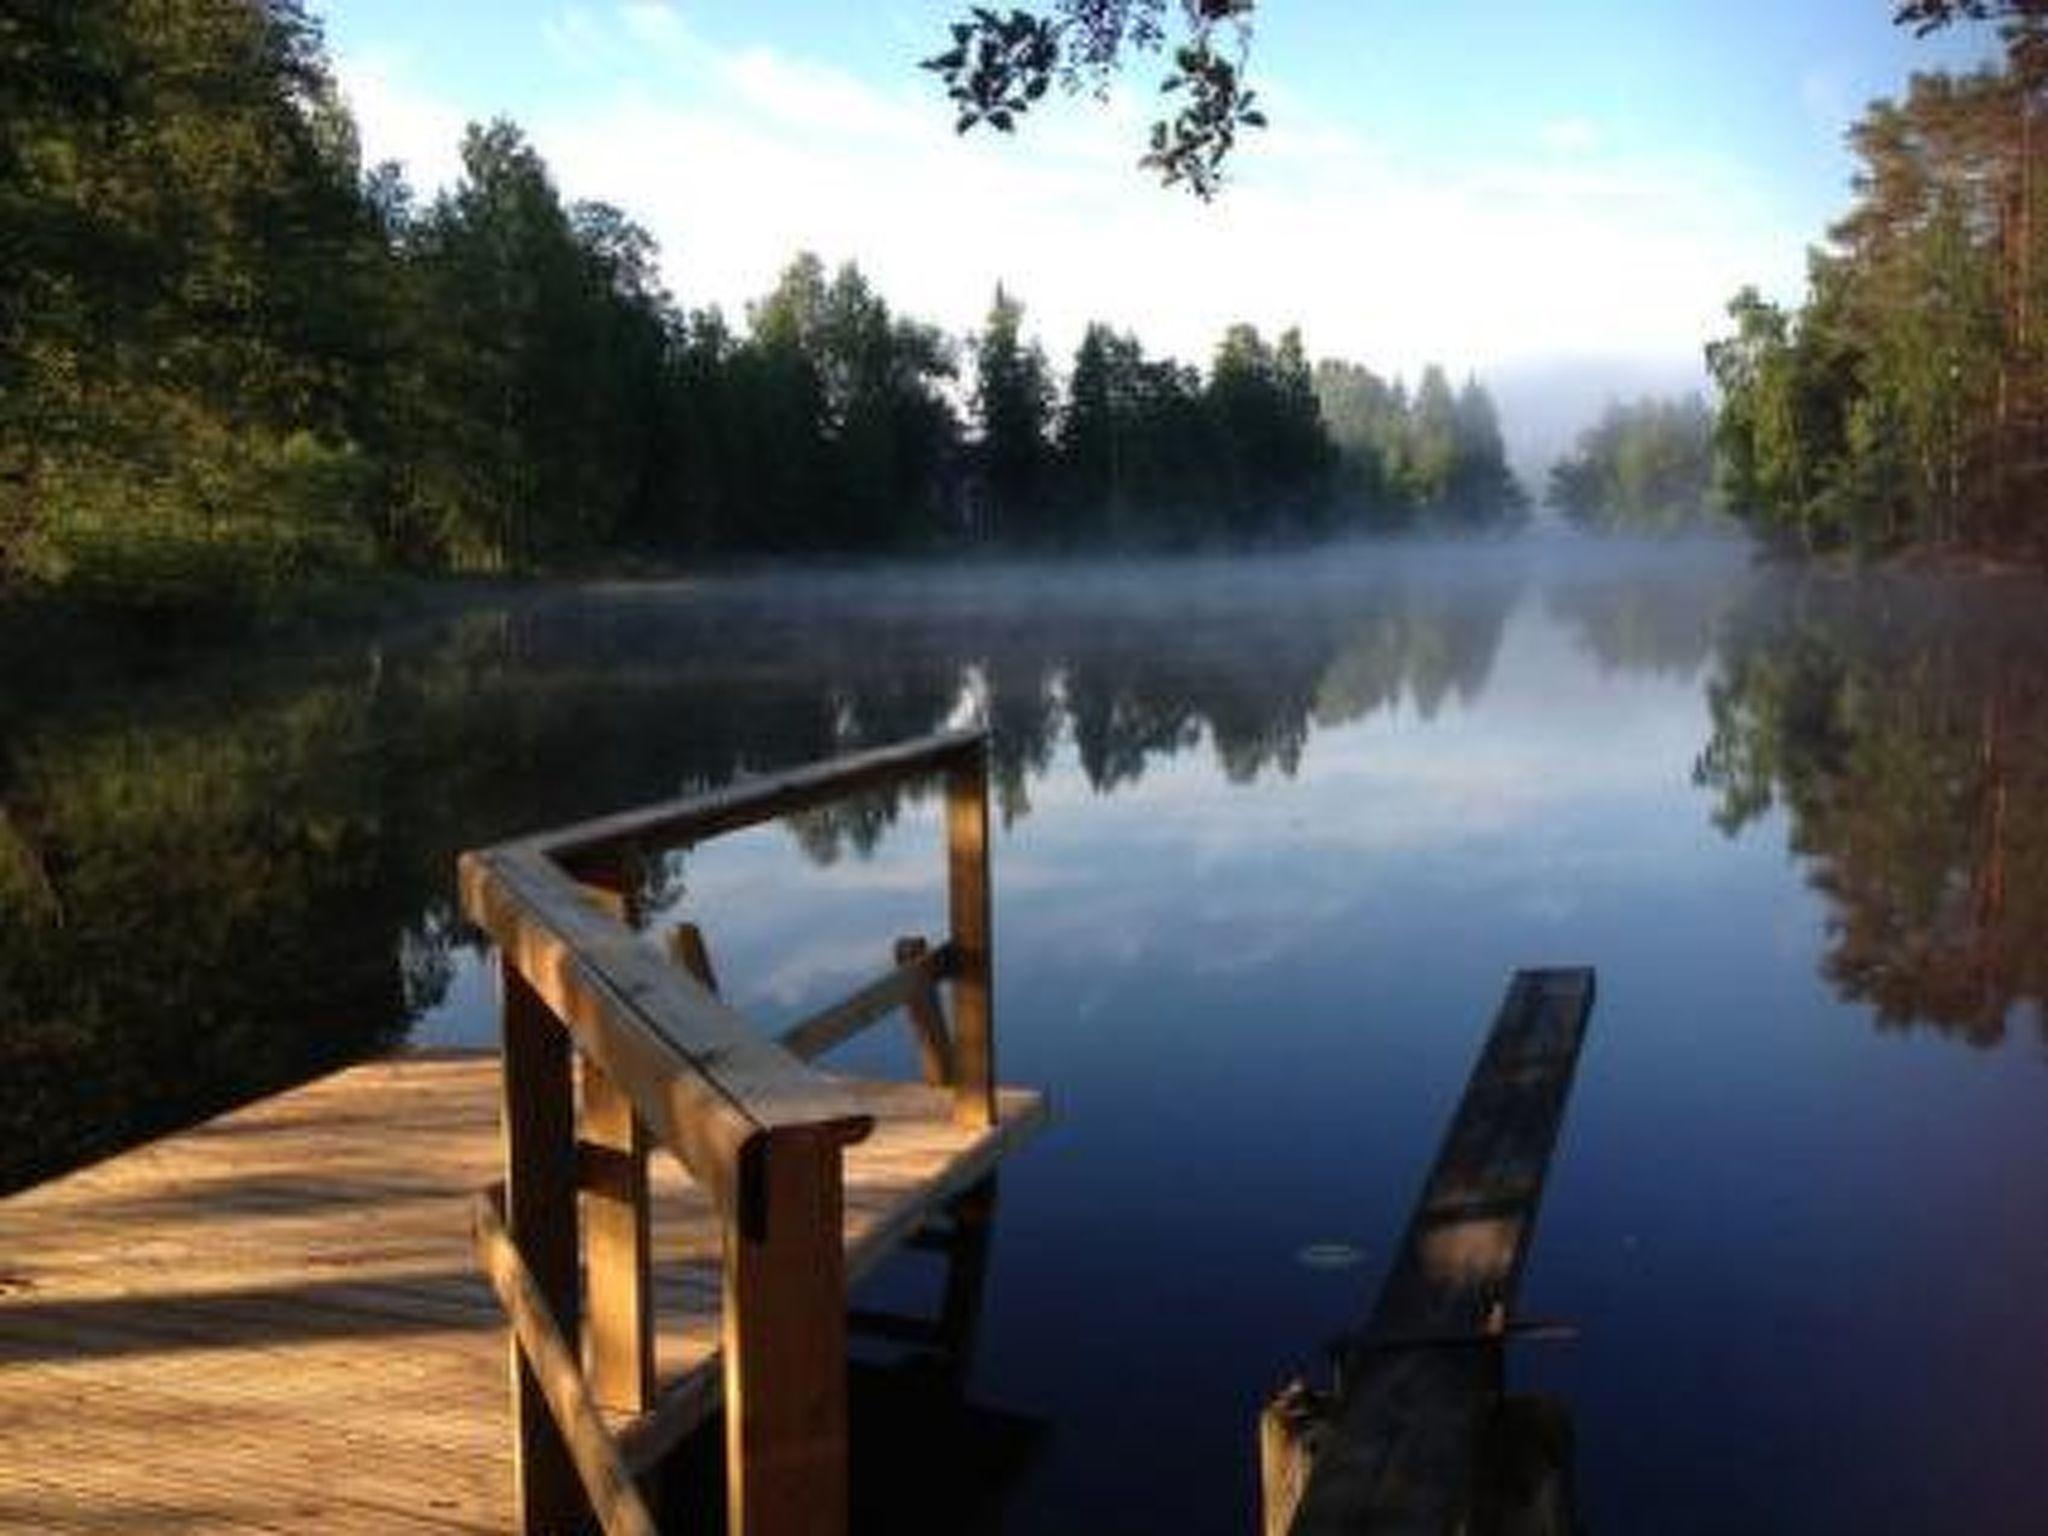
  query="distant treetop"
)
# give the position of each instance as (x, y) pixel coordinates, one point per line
(997, 65)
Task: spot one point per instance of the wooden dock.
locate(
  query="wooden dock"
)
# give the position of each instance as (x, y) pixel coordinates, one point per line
(276, 1321)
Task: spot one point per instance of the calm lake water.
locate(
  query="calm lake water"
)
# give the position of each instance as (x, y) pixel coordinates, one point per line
(1273, 833)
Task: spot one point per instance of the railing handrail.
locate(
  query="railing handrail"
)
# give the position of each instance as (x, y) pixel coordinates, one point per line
(750, 801)
(704, 1080)
(666, 1062)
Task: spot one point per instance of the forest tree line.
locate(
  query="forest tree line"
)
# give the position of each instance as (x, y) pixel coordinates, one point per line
(233, 356)
(1905, 400)
(1644, 466)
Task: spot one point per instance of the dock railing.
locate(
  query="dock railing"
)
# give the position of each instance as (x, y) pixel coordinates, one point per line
(665, 1062)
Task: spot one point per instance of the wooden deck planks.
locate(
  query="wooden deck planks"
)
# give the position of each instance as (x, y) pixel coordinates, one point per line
(275, 1322)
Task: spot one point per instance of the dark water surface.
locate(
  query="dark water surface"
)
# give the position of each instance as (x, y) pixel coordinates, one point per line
(1273, 833)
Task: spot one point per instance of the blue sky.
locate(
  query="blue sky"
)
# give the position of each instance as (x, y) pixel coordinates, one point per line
(1505, 185)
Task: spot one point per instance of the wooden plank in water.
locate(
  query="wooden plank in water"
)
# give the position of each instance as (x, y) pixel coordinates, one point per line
(1469, 1236)
(1399, 1451)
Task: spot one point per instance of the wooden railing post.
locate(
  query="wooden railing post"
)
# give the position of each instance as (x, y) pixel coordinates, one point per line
(540, 1215)
(764, 1137)
(618, 1244)
(974, 1045)
(784, 1341)
(927, 1022)
(607, 1481)
(687, 948)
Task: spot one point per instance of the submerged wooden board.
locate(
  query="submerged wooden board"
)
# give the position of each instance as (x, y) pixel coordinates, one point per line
(275, 1321)
(1401, 1451)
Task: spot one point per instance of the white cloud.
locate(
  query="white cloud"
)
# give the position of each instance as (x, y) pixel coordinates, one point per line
(737, 158)
(1569, 136)
(400, 122)
(578, 40)
(657, 25)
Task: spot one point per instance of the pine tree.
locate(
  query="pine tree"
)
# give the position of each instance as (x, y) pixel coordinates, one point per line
(1013, 408)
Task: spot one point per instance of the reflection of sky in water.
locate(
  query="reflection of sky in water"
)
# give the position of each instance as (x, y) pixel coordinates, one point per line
(1806, 1256)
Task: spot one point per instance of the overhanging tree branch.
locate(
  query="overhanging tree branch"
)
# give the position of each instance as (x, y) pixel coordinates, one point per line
(998, 65)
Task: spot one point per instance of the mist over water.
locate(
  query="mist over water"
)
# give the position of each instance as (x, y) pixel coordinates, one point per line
(1272, 833)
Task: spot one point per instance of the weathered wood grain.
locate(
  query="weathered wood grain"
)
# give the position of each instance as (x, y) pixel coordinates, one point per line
(552, 1362)
(612, 1175)
(784, 1348)
(274, 1321)
(1400, 1452)
(538, 1107)
(705, 1084)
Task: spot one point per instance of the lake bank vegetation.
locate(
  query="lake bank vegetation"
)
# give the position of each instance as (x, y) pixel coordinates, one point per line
(1904, 402)
(235, 361)
(239, 367)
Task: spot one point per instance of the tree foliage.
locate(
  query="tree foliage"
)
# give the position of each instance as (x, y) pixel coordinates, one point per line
(1013, 405)
(233, 358)
(1906, 399)
(185, 242)
(1432, 459)
(525, 376)
(1643, 466)
(998, 64)
(1925, 16)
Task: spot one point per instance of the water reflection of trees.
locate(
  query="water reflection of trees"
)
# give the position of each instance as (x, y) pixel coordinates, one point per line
(195, 908)
(1903, 728)
(220, 883)
(1662, 618)
(222, 878)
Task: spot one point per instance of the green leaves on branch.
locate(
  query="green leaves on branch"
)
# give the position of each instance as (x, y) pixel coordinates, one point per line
(1925, 16)
(1190, 147)
(1000, 64)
